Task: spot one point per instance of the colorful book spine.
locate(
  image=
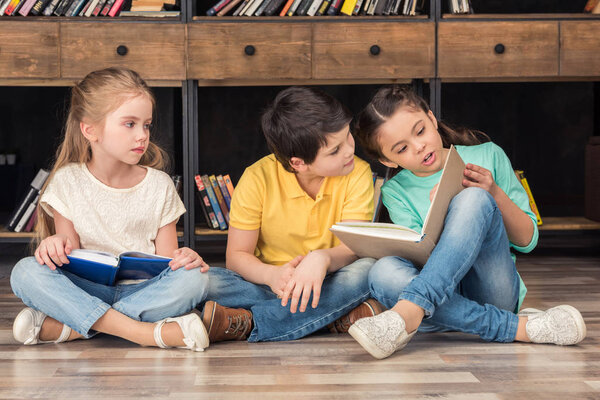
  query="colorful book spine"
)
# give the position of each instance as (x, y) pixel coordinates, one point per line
(521, 175)
(214, 203)
(220, 199)
(31, 224)
(27, 215)
(209, 214)
(348, 7)
(116, 8)
(229, 184)
(224, 190)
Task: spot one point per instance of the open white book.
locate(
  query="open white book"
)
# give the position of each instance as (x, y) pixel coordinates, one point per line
(375, 239)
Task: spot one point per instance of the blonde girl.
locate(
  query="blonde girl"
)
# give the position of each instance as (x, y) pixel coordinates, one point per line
(469, 283)
(106, 191)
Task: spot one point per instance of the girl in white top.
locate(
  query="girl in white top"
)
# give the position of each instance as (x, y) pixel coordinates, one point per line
(106, 192)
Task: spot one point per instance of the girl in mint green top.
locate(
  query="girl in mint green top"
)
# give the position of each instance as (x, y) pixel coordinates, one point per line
(470, 282)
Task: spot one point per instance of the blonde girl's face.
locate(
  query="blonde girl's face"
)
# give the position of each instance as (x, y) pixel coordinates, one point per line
(410, 139)
(126, 131)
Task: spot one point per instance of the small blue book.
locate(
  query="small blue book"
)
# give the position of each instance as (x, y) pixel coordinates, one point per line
(106, 269)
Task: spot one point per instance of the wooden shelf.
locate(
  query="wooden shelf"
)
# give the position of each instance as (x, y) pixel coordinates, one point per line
(202, 231)
(568, 224)
(564, 16)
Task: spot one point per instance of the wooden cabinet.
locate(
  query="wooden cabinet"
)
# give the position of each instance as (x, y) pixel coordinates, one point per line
(249, 51)
(29, 50)
(580, 48)
(156, 51)
(498, 49)
(383, 50)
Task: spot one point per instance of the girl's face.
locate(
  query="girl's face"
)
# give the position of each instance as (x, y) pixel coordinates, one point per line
(410, 139)
(336, 157)
(126, 131)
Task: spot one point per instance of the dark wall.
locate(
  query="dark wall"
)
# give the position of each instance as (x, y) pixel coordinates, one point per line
(31, 123)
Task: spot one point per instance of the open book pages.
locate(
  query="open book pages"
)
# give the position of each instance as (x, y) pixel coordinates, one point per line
(378, 230)
(101, 257)
(374, 239)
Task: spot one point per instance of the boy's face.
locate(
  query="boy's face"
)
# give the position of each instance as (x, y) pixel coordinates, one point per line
(336, 157)
(410, 139)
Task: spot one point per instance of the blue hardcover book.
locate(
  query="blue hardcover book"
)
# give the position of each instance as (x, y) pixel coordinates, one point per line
(224, 191)
(214, 202)
(105, 268)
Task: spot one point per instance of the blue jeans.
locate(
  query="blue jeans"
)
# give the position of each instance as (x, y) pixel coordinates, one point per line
(342, 291)
(470, 282)
(79, 303)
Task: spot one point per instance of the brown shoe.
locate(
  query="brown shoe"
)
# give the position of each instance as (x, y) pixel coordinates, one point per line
(369, 308)
(223, 323)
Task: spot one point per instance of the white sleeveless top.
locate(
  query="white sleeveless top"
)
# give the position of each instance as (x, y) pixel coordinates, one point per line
(109, 219)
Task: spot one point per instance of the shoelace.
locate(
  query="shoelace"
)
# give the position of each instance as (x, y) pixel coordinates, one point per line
(238, 326)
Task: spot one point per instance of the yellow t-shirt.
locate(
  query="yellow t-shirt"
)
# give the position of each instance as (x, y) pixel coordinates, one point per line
(291, 223)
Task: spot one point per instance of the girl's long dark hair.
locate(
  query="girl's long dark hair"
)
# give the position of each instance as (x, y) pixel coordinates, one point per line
(382, 107)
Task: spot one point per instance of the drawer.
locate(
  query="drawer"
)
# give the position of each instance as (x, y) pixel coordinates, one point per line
(497, 49)
(258, 50)
(155, 51)
(373, 50)
(580, 48)
(28, 50)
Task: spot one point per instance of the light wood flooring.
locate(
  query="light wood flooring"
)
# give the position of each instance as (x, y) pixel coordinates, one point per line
(439, 365)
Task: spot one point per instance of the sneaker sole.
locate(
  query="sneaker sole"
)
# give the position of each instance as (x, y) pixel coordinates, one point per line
(367, 343)
(581, 328)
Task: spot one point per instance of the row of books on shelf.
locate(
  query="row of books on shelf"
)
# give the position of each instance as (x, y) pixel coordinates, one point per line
(460, 6)
(315, 7)
(24, 216)
(69, 8)
(215, 193)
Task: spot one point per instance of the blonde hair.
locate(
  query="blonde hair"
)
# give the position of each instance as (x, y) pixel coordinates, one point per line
(97, 95)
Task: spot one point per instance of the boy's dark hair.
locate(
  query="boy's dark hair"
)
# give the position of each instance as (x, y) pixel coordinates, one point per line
(298, 121)
(383, 106)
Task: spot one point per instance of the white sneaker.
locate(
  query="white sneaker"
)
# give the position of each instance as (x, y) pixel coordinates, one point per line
(562, 325)
(27, 326)
(195, 336)
(381, 335)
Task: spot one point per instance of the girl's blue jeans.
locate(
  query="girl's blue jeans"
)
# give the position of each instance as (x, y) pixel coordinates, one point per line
(341, 291)
(79, 303)
(470, 282)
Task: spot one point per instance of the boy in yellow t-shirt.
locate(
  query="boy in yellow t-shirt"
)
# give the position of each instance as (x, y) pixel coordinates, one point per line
(287, 275)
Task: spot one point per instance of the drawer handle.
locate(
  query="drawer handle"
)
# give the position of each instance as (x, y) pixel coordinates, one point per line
(499, 48)
(375, 50)
(249, 50)
(122, 50)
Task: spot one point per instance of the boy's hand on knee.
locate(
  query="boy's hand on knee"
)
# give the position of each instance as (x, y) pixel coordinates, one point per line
(187, 258)
(282, 276)
(53, 251)
(307, 279)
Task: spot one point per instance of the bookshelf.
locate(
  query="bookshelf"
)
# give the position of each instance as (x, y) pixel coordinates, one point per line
(217, 73)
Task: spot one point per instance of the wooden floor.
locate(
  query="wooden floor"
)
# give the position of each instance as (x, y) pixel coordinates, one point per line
(440, 365)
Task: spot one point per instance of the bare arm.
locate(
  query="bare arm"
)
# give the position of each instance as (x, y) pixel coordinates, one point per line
(240, 258)
(53, 250)
(166, 245)
(519, 227)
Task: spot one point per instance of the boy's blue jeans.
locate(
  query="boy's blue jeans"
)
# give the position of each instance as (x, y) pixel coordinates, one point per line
(470, 282)
(342, 291)
(79, 303)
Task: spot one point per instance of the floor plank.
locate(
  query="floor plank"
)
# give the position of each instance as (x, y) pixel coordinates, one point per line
(439, 365)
